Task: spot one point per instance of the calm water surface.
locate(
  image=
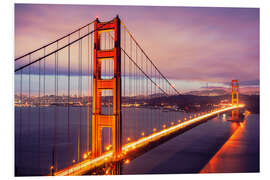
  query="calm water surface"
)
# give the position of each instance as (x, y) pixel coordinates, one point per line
(41, 142)
(191, 151)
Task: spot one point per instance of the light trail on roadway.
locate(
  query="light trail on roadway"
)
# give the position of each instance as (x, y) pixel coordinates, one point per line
(88, 164)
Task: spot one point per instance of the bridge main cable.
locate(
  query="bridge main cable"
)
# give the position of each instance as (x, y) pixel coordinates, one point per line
(22, 67)
(150, 59)
(144, 72)
(18, 58)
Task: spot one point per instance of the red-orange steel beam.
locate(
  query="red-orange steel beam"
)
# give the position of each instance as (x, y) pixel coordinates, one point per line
(113, 121)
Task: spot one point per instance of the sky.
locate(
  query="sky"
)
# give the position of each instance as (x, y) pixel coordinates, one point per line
(191, 46)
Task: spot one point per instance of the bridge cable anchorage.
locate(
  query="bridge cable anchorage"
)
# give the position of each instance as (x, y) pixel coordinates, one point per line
(22, 67)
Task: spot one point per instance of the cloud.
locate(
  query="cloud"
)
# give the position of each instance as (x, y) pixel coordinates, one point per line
(255, 82)
(212, 87)
(185, 43)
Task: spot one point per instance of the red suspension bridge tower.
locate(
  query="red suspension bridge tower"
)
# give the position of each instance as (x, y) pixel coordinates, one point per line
(100, 120)
(235, 99)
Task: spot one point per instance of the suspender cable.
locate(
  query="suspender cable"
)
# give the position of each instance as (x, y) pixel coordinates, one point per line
(149, 77)
(156, 97)
(79, 95)
(20, 133)
(39, 115)
(124, 90)
(149, 58)
(147, 98)
(56, 129)
(150, 100)
(135, 108)
(44, 92)
(43, 47)
(131, 78)
(55, 112)
(53, 52)
(68, 105)
(91, 72)
(29, 104)
(88, 85)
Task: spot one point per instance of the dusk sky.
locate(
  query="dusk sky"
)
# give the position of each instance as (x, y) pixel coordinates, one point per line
(191, 46)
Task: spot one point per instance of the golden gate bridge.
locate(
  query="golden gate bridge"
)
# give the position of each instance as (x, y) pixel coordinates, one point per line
(83, 98)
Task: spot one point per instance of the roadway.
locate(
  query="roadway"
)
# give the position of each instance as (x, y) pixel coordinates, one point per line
(127, 150)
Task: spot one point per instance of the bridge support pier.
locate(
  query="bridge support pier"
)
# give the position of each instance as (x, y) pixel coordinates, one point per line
(235, 115)
(99, 120)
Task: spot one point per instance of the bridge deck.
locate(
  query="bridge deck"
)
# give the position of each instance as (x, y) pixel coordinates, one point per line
(89, 164)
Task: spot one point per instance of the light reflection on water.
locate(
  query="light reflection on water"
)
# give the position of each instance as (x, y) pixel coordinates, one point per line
(241, 152)
(191, 151)
(37, 133)
(186, 153)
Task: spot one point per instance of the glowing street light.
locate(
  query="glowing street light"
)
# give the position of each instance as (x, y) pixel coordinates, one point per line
(127, 161)
(142, 141)
(107, 171)
(108, 147)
